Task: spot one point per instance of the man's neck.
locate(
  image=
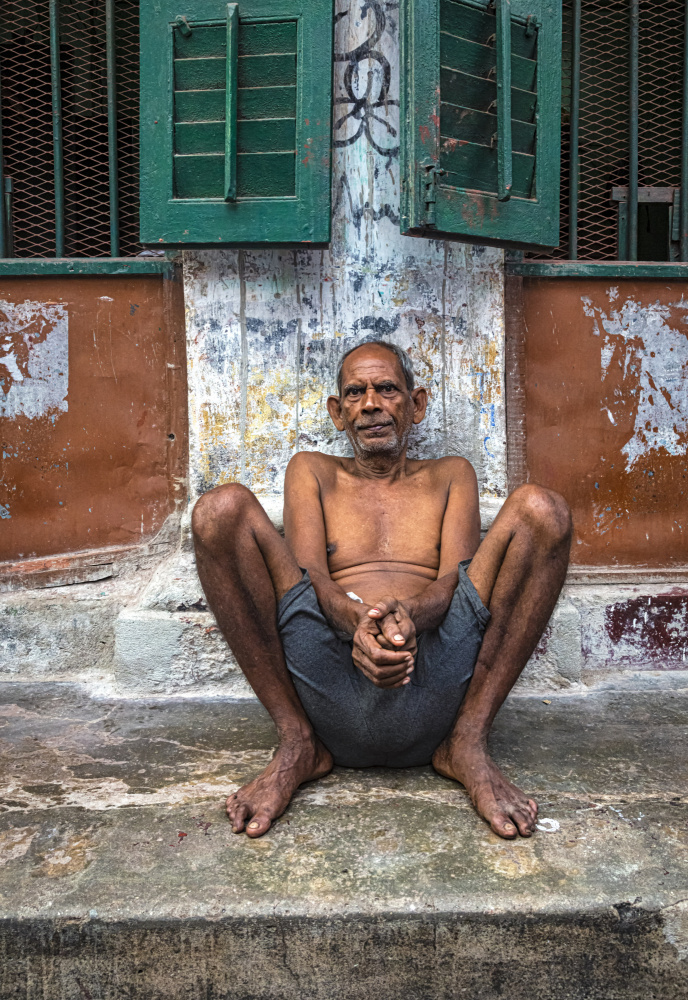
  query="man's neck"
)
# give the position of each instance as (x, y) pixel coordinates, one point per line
(381, 467)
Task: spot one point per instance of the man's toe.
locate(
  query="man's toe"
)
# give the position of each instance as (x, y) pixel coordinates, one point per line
(238, 817)
(503, 825)
(259, 825)
(524, 822)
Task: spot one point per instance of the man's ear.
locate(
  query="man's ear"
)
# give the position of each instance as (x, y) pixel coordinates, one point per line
(334, 408)
(420, 404)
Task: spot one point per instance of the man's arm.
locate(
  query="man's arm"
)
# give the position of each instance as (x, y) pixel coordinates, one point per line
(459, 539)
(304, 531)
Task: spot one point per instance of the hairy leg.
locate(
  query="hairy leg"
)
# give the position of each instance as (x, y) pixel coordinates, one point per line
(518, 571)
(245, 567)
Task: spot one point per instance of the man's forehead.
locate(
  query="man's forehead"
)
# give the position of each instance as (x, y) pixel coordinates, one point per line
(372, 363)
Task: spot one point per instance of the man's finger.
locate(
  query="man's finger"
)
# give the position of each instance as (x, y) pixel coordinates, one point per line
(379, 656)
(398, 629)
(381, 609)
(381, 676)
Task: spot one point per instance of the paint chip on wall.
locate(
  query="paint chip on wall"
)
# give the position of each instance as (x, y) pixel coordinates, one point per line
(34, 359)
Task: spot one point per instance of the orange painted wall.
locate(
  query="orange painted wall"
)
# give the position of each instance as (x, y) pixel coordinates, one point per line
(94, 455)
(605, 384)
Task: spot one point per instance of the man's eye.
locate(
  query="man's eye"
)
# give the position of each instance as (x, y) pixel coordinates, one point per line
(353, 392)
(388, 387)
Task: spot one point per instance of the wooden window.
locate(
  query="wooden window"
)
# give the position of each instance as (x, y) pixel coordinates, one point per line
(481, 106)
(235, 121)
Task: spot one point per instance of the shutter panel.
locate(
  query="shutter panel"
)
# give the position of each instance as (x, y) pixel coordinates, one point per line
(481, 108)
(235, 121)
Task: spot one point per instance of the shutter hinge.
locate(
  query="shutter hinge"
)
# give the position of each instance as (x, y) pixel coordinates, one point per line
(429, 172)
(183, 25)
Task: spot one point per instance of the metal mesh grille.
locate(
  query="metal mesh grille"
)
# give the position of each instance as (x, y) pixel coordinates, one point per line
(27, 126)
(604, 111)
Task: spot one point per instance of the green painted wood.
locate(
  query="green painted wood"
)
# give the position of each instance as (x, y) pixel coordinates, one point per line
(230, 144)
(208, 73)
(200, 74)
(467, 21)
(199, 105)
(20, 267)
(466, 125)
(282, 195)
(504, 151)
(433, 101)
(466, 161)
(277, 70)
(256, 39)
(266, 135)
(201, 43)
(259, 175)
(597, 269)
(267, 102)
(256, 103)
(473, 92)
(270, 135)
(479, 60)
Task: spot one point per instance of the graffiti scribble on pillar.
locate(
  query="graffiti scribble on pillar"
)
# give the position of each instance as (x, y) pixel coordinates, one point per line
(365, 104)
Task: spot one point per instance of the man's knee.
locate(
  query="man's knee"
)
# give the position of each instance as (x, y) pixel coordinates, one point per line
(544, 509)
(219, 511)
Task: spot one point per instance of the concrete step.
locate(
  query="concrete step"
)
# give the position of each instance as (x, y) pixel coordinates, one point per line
(120, 877)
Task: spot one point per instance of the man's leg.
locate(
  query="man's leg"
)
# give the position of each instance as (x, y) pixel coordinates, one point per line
(518, 572)
(245, 567)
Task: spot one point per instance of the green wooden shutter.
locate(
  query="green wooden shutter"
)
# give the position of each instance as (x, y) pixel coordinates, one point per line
(481, 108)
(235, 150)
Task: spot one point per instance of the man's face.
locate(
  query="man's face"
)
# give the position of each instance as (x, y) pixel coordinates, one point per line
(376, 409)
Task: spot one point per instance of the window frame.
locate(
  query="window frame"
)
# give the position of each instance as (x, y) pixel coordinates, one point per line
(477, 217)
(304, 218)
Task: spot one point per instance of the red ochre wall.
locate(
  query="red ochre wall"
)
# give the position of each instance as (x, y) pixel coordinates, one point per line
(93, 454)
(602, 383)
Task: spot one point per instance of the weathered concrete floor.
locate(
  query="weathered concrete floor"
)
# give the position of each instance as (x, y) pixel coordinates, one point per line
(120, 877)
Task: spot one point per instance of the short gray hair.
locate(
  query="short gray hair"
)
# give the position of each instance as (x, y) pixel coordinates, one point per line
(402, 357)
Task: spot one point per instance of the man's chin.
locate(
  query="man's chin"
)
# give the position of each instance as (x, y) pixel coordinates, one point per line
(379, 446)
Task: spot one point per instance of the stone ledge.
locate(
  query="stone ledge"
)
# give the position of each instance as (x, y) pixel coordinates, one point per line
(119, 874)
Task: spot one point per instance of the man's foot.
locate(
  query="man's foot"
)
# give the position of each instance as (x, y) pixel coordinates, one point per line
(503, 805)
(253, 808)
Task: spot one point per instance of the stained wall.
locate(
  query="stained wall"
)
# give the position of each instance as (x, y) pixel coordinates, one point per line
(266, 327)
(93, 419)
(606, 414)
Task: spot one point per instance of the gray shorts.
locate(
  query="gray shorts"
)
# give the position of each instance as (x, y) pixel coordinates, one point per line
(363, 725)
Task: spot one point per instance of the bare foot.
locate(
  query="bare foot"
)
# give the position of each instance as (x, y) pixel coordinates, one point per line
(266, 798)
(503, 805)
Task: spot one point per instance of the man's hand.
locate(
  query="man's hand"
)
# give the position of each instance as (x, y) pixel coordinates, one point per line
(385, 644)
(396, 625)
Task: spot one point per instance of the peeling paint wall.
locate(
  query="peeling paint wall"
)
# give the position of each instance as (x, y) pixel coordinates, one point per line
(606, 406)
(92, 412)
(266, 327)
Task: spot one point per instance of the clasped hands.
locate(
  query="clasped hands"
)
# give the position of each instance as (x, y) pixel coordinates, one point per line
(385, 643)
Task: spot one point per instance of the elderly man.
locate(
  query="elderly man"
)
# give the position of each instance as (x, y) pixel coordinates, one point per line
(380, 630)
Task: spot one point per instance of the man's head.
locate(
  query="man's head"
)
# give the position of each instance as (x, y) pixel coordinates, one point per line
(377, 402)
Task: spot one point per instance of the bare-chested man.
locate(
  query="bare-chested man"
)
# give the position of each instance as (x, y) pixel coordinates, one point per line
(379, 630)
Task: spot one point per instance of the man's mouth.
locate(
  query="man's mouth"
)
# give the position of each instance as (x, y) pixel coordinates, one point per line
(374, 427)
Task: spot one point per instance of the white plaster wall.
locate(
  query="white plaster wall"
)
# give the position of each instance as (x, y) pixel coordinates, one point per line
(267, 326)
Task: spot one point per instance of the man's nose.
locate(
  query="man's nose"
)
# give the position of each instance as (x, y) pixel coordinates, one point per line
(370, 400)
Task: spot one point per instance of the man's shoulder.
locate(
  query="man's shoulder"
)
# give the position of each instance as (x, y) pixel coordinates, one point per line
(316, 463)
(449, 467)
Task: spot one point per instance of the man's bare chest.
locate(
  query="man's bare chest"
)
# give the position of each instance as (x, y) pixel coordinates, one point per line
(369, 525)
